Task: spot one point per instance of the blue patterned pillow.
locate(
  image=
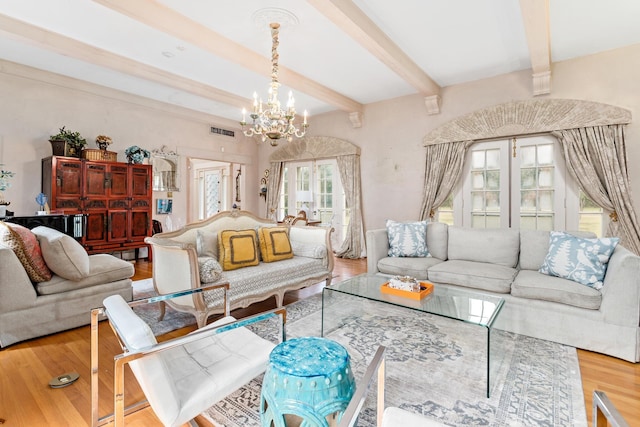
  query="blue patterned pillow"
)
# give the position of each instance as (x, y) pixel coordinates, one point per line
(407, 239)
(581, 260)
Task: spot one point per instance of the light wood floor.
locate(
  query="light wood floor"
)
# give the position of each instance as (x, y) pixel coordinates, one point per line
(26, 368)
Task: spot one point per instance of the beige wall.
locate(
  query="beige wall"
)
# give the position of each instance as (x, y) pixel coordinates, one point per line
(392, 131)
(35, 104)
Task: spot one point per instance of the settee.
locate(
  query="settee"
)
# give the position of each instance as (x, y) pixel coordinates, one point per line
(209, 251)
(48, 282)
(506, 263)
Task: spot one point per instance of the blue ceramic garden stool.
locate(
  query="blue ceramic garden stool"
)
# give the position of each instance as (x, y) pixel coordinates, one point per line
(308, 382)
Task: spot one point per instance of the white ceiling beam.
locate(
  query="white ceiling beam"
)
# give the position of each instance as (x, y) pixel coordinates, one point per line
(353, 21)
(535, 16)
(75, 49)
(160, 17)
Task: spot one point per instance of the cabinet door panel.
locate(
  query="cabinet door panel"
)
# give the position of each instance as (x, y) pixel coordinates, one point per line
(69, 178)
(140, 181)
(119, 180)
(118, 229)
(95, 178)
(96, 231)
(140, 223)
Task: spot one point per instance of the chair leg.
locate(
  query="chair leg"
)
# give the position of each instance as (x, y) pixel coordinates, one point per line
(163, 308)
(201, 319)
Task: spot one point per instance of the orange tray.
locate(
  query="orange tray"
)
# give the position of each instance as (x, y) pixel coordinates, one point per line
(425, 289)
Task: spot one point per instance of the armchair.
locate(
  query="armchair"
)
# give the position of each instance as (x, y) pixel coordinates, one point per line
(389, 417)
(184, 376)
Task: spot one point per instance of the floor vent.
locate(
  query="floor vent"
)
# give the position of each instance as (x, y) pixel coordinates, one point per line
(223, 132)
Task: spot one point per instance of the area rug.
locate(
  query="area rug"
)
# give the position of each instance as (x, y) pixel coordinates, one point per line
(435, 367)
(150, 313)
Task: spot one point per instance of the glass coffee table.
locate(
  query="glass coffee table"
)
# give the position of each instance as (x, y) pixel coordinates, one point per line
(473, 308)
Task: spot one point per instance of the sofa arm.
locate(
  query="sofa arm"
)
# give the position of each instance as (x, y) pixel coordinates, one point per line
(314, 236)
(16, 289)
(621, 290)
(377, 248)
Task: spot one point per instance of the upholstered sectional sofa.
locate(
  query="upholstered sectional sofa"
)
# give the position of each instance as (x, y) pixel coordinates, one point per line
(506, 262)
(204, 252)
(48, 282)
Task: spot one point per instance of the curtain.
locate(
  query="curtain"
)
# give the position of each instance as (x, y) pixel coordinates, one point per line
(353, 244)
(273, 189)
(597, 159)
(444, 163)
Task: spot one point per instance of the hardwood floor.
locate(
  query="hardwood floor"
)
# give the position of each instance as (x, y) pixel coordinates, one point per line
(26, 368)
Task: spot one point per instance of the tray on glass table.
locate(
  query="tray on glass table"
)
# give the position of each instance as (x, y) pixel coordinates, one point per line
(425, 289)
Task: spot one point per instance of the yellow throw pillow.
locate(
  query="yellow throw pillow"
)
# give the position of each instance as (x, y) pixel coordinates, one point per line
(237, 249)
(274, 243)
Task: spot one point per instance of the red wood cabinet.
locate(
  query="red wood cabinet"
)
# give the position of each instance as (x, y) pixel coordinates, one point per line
(116, 197)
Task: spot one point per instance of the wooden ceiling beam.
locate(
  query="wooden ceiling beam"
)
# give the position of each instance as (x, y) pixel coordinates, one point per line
(353, 21)
(535, 16)
(162, 18)
(75, 49)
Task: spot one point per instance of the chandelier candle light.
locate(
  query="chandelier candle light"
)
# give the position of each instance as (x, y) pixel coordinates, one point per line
(273, 122)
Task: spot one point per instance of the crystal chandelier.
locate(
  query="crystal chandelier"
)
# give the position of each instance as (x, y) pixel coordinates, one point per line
(273, 122)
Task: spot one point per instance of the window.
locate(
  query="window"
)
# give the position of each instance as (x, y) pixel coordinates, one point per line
(520, 183)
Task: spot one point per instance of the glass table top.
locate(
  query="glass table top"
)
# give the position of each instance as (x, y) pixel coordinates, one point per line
(467, 306)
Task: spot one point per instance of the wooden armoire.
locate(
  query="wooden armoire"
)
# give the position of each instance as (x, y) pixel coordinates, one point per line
(115, 197)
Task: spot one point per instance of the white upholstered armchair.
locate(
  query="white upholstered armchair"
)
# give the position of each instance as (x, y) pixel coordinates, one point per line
(184, 376)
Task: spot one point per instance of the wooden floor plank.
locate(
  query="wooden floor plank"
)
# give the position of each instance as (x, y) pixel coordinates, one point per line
(26, 368)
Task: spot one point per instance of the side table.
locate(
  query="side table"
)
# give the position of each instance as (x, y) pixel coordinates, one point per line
(308, 379)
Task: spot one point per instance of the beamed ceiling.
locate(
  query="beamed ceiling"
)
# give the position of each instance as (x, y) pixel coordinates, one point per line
(210, 56)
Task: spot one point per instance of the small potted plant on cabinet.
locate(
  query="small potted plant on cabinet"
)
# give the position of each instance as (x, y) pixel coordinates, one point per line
(67, 143)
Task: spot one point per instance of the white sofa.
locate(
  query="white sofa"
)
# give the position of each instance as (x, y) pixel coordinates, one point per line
(78, 283)
(505, 262)
(176, 265)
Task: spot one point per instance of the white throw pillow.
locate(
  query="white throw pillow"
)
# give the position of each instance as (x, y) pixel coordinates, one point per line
(207, 243)
(581, 260)
(62, 253)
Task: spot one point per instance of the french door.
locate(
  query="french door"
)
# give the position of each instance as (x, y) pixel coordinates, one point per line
(315, 187)
(516, 183)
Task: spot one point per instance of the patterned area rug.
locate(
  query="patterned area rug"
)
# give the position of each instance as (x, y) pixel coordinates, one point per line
(435, 367)
(151, 312)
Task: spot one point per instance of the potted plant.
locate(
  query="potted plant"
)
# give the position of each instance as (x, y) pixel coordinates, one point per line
(67, 143)
(136, 154)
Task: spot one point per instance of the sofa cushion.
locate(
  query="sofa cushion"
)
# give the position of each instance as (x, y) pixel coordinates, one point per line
(309, 250)
(210, 269)
(207, 244)
(27, 249)
(438, 239)
(237, 249)
(247, 284)
(477, 275)
(103, 268)
(581, 260)
(407, 239)
(63, 254)
(533, 285)
(405, 266)
(274, 243)
(534, 246)
(491, 245)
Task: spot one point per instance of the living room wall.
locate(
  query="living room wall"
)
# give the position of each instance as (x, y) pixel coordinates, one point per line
(390, 138)
(35, 104)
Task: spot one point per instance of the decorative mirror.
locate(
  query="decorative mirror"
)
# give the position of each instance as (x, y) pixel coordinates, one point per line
(166, 170)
